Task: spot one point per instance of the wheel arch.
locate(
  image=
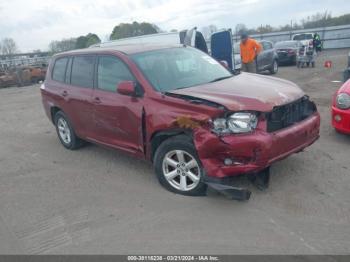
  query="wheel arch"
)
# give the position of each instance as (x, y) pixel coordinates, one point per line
(53, 112)
(159, 137)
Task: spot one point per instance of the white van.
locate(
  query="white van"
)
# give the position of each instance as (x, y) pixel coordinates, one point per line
(306, 39)
(220, 43)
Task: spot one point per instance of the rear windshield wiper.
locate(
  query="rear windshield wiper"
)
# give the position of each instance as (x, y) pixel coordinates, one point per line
(220, 78)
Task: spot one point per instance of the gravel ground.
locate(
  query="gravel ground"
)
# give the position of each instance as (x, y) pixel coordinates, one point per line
(100, 201)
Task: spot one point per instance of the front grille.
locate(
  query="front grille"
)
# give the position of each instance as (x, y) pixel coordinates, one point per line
(286, 115)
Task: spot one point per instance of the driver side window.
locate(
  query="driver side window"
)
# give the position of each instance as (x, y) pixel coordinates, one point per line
(266, 45)
(110, 72)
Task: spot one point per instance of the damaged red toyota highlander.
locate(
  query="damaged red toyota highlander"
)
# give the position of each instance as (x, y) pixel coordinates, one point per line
(179, 108)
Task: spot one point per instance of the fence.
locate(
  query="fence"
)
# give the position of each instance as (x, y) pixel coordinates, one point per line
(332, 37)
(25, 61)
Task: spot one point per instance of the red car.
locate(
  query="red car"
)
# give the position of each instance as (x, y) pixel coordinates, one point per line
(179, 108)
(341, 109)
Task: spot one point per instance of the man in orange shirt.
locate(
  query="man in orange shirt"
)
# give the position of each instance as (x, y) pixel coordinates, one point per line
(249, 51)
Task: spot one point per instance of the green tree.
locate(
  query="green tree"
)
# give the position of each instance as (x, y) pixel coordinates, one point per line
(124, 30)
(92, 39)
(81, 42)
(86, 41)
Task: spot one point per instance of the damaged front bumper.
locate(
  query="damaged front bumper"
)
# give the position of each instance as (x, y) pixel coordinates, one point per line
(236, 154)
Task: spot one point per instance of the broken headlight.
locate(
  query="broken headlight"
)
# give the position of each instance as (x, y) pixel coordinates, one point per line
(343, 101)
(242, 122)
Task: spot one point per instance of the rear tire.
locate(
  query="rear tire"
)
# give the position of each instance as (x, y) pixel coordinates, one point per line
(178, 167)
(66, 132)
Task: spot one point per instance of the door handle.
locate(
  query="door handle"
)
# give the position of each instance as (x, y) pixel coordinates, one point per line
(97, 100)
(64, 93)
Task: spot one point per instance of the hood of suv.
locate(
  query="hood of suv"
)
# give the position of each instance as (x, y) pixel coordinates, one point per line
(246, 92)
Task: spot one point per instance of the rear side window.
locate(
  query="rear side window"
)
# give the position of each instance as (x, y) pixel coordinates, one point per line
(110, 72)
(59, 69)
(83, 71)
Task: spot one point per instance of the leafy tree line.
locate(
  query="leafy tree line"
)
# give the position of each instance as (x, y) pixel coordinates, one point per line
(73, 43)
(122, 30)
(313, 21)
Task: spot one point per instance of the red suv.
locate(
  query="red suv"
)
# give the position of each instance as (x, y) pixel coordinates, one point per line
(179, 108)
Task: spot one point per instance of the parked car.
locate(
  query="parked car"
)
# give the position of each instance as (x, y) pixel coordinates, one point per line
(267, 60)
(7, 79)
(179, 108)
(37, 73)
(19, 76)
(306, 39)
(341, 109)
(287, 51)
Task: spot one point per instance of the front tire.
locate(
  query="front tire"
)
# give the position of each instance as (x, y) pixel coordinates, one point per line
(274, 67)
(66, 132)
(178, 167)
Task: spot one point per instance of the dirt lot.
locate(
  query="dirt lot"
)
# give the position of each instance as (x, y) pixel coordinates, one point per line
(97, 200)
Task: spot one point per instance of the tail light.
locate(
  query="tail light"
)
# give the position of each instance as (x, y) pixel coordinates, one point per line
(291, 51)
(311, 43)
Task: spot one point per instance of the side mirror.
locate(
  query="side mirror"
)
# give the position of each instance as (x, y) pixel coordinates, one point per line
(224, 64)
(127, 88)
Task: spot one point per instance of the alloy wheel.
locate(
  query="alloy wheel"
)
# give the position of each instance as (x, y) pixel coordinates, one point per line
(181, 170)
(64, 131)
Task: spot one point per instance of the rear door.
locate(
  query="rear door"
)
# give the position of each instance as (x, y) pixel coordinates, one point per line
(117, 118)
(80, 75)
(222, 48)
(73, 94)
(187, 37)
(193, 38)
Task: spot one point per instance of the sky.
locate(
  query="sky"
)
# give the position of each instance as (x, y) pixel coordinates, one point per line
(33, 24)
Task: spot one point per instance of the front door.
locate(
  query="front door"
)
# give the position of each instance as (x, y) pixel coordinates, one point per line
(265, 57)
(222, 48)
(261, 58)
(117, 118)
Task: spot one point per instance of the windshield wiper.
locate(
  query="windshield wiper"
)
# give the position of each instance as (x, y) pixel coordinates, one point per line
(220, 78)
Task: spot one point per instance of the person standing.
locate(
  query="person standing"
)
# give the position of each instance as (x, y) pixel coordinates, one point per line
(317, 43)
(250, 48)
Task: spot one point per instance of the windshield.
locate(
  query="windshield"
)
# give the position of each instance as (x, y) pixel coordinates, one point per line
(302, 37)
(175, 68)
(286, 44)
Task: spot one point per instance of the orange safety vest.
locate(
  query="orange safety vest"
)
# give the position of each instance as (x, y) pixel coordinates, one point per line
(249, 50)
